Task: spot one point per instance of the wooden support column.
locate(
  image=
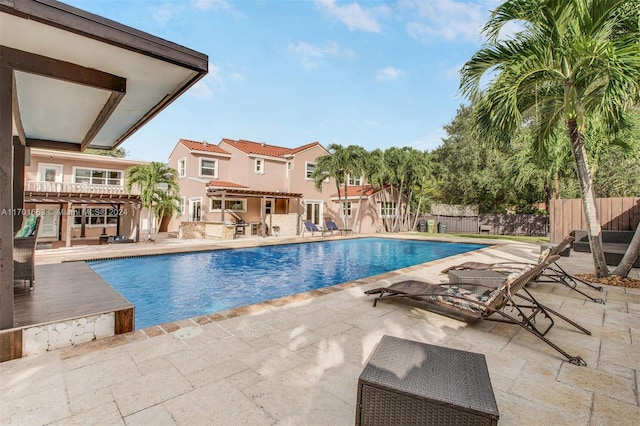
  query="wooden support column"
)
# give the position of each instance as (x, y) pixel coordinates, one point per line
(83, 221)
(222, 205)
(70, 216)
(263, 206)
(6, 198)
(18, 181)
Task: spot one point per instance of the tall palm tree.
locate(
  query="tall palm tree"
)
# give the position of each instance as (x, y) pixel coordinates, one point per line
(357, 158)
(152, 179)
(166, 204)
(573, 58)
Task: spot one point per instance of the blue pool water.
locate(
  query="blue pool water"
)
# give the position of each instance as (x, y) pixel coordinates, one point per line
(172, 287)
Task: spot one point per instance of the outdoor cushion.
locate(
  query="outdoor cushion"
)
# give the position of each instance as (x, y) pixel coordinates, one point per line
(28, 227)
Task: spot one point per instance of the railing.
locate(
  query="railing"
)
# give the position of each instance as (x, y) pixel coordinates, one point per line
(78, 188)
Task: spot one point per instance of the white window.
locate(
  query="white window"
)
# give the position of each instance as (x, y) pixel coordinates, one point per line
(388, 209)
(355, 181)
(97, 176)
(259, 166)
(209, 167)
(49, 172)
(236, 205)
(182, 167)
(346, 209)
(195, 209)
(313, 211)
(183, 205)
(96, 216)
(310, 168)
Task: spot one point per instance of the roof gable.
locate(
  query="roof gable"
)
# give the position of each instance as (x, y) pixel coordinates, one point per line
(267, 150)
(203, 146)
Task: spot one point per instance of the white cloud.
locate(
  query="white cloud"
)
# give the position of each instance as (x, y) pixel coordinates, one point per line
(211, 5)
(354, 16)
(237, 77)
(451, 20)
(311, 54)
(388, 73)
(165, 13)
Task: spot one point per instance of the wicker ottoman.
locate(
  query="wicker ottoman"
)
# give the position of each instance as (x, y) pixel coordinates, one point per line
(413, 383)
(468, 276)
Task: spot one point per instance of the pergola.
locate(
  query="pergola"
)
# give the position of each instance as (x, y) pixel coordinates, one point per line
(222, 193)
(71, 80)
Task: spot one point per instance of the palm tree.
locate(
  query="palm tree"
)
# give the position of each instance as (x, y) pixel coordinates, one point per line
(573, 58)
(166, 204)
(152, 179)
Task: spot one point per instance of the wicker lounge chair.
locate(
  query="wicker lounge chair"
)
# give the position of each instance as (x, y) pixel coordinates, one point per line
(313, 228)
(24, 247)
(471, 303)
(553, 273)
(334, 227)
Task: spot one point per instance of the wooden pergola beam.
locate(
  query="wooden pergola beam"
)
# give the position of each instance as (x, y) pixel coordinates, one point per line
(32, 63)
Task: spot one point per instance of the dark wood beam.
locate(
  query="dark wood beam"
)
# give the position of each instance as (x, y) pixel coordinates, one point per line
(18, 180)
(46, 144)
(6, 198)
(101, 119)
(53, 68)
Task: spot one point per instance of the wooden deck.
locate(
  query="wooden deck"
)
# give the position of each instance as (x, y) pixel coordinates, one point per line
(65, 307)
(65, 291)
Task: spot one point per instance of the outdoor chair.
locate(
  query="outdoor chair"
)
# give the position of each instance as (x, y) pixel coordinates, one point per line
(473, 302)
(553, 273)
(334, 227)
(24, 247)
(313, 228)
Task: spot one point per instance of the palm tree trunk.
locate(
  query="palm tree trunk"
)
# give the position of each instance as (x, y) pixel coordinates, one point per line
(360, 197)
(630, 256)
(149, 224)
(588, 198)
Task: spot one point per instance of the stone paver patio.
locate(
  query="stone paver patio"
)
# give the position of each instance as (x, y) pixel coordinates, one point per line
(296, 361)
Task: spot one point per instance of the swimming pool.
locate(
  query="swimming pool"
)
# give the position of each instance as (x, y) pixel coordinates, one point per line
(168, 288)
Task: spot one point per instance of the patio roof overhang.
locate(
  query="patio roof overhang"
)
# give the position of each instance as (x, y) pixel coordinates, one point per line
(71, 80)
(218, 192)
(82, 81)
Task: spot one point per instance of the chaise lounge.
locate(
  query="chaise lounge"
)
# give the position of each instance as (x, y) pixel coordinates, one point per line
(471, 303)
(334, 227)
(553, 273)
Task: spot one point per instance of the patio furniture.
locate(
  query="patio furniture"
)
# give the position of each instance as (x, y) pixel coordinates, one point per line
(313, 228)
(471, 276)
(119, 239)
(471, 303)
(334, 227)
(24, 247)
(553, 273)
(413, 383)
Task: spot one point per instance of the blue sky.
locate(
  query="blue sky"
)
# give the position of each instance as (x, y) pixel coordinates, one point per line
(370, 73)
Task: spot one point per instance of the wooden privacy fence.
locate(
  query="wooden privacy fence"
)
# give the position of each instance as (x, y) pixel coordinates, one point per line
(495, 224)
(616, 214)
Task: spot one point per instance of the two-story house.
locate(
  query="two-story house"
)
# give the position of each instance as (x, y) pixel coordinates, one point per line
(267, 188)
(80, 197)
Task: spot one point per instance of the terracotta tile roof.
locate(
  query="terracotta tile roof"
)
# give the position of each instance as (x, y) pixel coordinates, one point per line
(223, 184)
(265, 149)
(303, 147)
(354, 191)
(202, 146)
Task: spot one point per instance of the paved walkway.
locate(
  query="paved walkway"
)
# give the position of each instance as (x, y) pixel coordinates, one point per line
(296, 361)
